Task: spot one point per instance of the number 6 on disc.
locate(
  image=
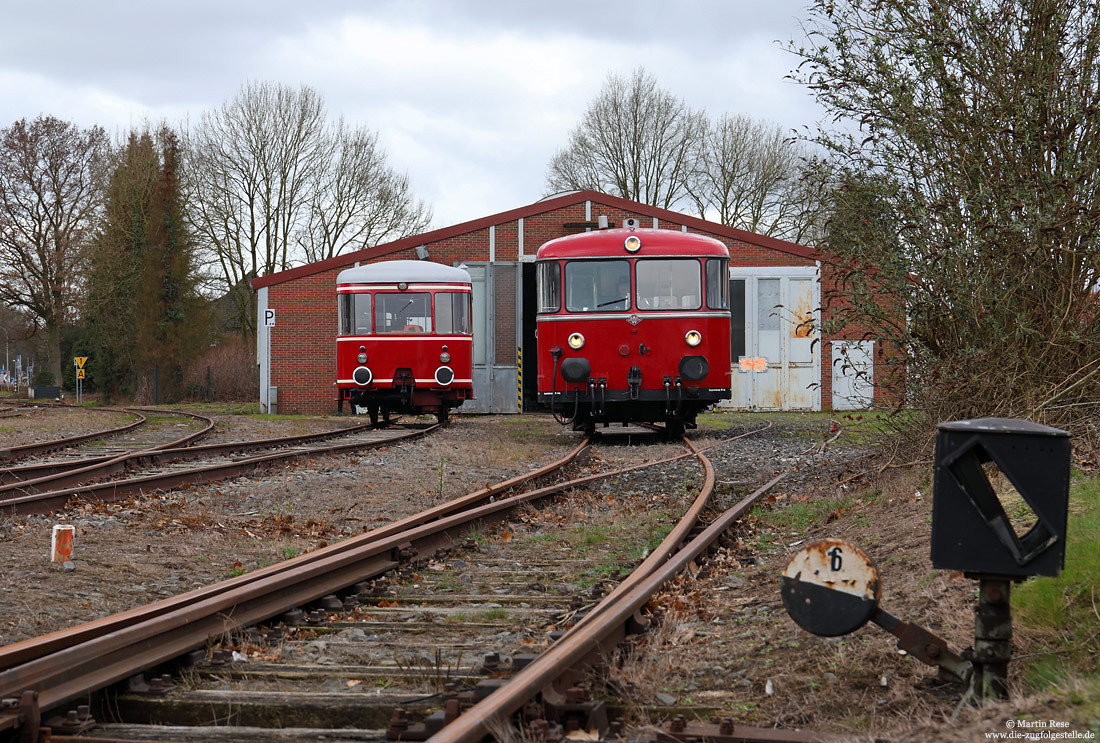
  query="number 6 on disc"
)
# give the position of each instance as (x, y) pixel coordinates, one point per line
(830, 588)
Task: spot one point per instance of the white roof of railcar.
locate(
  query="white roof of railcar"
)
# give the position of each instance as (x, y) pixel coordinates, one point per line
(392, 272)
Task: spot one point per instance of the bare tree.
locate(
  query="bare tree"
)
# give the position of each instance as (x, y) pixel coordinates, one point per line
(359, 200)
(251, 164)
(272, 184)
(636, 140)
(51, 177)
(750, 175)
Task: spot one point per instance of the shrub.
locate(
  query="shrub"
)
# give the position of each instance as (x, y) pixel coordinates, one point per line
(231, 369)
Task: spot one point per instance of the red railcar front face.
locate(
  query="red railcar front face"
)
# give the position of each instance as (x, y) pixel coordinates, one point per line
(633, 325)
(405, 347)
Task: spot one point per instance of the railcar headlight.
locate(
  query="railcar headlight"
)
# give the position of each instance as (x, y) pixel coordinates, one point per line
(633, 244)
(693, 338)
(444, 357)
(576, 341)
(362, 357)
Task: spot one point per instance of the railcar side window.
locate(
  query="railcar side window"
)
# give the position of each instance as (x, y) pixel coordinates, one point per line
(452, 312)
(354, 314)
(669, 284)
(361, 303)
(549, 284)
(343, 305)
(597, 286)
(718, 288)
(402, 312)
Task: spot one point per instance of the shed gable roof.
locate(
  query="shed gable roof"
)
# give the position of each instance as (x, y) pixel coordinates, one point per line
(539, 207)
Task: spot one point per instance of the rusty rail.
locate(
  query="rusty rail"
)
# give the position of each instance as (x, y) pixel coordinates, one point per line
(115, 489)
(68, 473)
(28, 450)
(27, 650)
(606, 625)
(174, 451)
(108, 656)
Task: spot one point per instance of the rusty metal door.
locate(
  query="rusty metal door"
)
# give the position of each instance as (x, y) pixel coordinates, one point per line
(775, 359)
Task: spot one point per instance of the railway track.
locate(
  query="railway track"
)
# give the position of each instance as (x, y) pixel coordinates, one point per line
(160, 433)
(22, 451)
(84, 463)
(172, 467)
(406, 632)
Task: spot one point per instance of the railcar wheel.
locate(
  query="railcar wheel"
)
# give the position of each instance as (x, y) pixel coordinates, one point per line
(675, 429)
(386, 415)
(372, 411)
(442, 414)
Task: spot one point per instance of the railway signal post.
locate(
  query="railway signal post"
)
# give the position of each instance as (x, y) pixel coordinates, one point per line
(999, 512)
(78, 362)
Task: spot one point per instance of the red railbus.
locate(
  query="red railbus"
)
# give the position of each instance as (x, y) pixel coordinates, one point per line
(633, 325)
(404, 342)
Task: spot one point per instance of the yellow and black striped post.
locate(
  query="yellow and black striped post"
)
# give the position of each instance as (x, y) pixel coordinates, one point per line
(519, 378)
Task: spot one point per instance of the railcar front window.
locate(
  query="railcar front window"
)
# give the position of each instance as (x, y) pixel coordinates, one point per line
(402, 312)
(452, 312)
(718, 288)
(549, 284)
(669, 284)
(597, 286)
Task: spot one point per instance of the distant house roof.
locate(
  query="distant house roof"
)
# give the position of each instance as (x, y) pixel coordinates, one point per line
(539, 207)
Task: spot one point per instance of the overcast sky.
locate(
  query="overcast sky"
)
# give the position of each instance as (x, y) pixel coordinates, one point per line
(471, 97)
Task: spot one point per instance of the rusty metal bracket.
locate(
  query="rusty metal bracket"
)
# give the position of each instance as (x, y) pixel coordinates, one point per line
(76, 721)
(924, 646)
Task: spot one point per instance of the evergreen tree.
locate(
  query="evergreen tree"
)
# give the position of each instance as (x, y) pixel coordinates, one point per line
(116, 268)
(172, 321)
(143, 309)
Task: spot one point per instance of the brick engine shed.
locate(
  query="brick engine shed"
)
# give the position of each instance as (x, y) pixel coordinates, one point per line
(780, 360)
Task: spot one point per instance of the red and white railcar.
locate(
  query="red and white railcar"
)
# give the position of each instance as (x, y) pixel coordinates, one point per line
(633, 325)
(404, 342)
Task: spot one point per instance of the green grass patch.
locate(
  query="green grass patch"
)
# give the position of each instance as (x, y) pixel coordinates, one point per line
(494, 614)
(800, 517)
(166, 419)
(1063, 614)
(590, 535)
(225, 408)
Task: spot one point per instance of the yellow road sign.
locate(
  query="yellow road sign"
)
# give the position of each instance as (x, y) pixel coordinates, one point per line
(80, 374)
(80, 361)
